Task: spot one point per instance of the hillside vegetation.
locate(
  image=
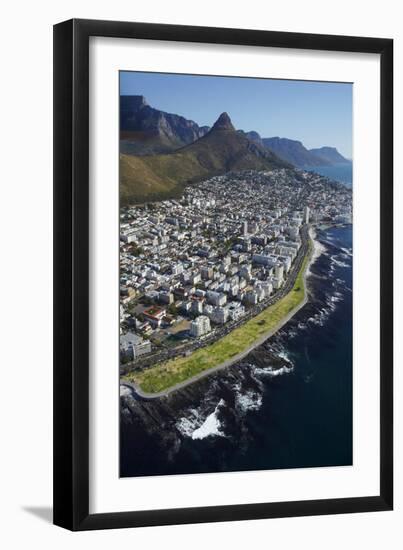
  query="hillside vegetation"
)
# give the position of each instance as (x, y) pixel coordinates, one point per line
(221, 150)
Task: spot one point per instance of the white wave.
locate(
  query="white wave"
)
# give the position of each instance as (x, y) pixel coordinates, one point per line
(291, 333)
(281, 371)
(249, 401)
(284, 354)
(195, 427)
(318, 249)
(331, 305)
(188, 424)
(333, 300)
(347, 251)
(211, 426)
(272, 372)
(338, 262)
(125, 391)
(340, 283)
(185, 426)
(320, 317)
(345, 257)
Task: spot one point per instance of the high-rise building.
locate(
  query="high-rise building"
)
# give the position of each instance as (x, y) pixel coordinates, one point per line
(132, 346)
(245, 228)
(306, 214)
(279, 271)
(216, 298)
(200, 326)
(219, 315)
(207, 273)
(197, 307)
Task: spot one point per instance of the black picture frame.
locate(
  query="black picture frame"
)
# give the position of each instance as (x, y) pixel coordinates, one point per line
(71, 274)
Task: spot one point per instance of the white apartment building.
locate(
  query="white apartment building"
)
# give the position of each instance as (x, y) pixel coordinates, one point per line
(279, 271)
(200, 326)
(132, 346)
(216, 298)
(219, 315)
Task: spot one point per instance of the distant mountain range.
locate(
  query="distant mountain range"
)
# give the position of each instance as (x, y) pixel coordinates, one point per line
(161, 152)
(294, 151)
(221, 150)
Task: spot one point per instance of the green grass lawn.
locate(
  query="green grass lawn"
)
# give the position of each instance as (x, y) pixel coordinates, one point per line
(162, 376)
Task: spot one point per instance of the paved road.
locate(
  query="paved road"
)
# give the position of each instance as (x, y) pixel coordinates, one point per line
(257, 342)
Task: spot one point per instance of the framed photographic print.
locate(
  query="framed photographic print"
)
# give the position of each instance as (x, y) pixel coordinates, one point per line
(223, 204)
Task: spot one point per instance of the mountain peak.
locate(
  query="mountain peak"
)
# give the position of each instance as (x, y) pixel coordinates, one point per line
(223, 122)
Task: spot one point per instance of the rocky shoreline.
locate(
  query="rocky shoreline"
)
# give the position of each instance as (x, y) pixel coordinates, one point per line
(157, 422)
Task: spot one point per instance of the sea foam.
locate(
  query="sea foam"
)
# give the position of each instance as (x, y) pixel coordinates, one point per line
(248, 401)
(195, 427)
(211, 426)
(270, 371)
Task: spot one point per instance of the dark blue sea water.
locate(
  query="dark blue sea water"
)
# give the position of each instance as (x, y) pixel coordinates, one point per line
(252, 416)
(341, 172)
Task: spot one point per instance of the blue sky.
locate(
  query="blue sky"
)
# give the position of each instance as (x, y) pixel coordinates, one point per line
(316, 113)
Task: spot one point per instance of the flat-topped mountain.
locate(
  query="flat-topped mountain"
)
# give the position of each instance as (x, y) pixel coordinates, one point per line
(221, 150)
(330, 155)
(145, 130)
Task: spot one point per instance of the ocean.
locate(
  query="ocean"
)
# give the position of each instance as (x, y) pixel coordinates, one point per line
(287, 405)
(341, 172)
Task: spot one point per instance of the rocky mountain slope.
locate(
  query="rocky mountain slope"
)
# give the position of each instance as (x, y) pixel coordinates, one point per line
(293, 151)
(296, 153)
(145, 130)
(221, 150)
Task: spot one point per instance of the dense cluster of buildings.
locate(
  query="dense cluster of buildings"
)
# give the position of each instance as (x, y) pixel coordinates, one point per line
(199, 262)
